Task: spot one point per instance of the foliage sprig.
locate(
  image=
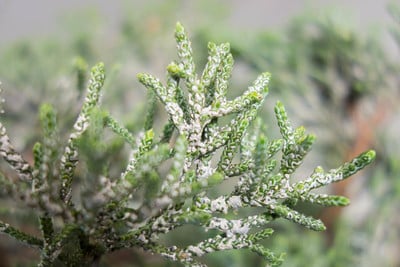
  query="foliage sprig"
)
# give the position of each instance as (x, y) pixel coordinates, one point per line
(203, 153)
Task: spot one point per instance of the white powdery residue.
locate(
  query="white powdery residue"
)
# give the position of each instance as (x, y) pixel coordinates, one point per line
(219, 204)
(226, 245)
(312, 185)
(181, 66)
(169, 256)
(246, 154)
(206, 171)
(255, 203)
(219, 223)
(235, 202)
(175, 111)
(197, 107)
(285, 181)
(70, 152)
(333, 176)
(196, 250)
(323, 179)
(15, 158)
(81, 124)
(268, 200)
(138, 141)
(143, 238)
(197, 97)
(282, 192)
(209, 249)
(238, 227)
(159, 224)
(224, 109)
(196, 131)
(206, 111)
(289, 216)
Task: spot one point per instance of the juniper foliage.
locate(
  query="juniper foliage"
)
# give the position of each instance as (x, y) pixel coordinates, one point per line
(200, 150)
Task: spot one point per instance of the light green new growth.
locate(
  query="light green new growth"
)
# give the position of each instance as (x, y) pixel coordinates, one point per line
(203, 153)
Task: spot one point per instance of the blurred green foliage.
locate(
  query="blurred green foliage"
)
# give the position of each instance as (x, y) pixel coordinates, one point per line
(320, 67)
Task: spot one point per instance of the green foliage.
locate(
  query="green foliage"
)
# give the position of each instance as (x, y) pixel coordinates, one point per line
(146, 201)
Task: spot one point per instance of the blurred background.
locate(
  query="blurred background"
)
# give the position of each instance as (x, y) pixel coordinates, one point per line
(335, 65)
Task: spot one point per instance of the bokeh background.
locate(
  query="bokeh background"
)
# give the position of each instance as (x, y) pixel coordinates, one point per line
(335, 65)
